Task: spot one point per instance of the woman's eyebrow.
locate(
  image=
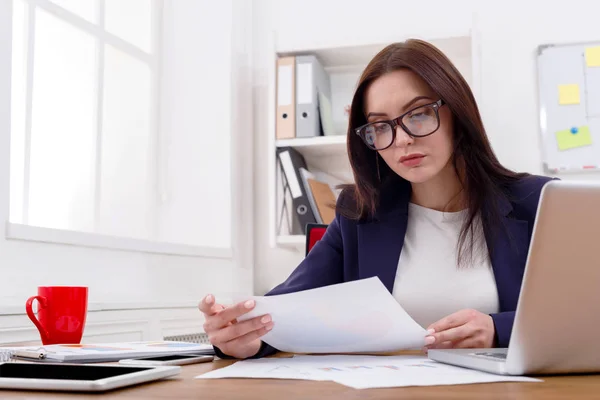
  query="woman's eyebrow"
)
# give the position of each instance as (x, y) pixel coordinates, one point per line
(376, 114)
(406, 107)
(413, 101)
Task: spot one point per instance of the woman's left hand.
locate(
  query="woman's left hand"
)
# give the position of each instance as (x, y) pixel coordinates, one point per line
(461, 330)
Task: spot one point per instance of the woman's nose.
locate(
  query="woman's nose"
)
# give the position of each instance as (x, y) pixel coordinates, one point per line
(403, 139)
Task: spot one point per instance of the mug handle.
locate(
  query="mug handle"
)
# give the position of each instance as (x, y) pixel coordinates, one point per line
(42, 304)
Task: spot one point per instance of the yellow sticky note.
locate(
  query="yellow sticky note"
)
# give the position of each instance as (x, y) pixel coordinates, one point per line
(568, 94)
(592, 56)
(573, 138)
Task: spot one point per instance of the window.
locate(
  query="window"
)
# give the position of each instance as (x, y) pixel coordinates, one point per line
(83, 127)
(103, 128)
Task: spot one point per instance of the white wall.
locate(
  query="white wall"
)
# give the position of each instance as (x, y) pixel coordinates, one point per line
(123, 279)
(509, 33)
(196, 125)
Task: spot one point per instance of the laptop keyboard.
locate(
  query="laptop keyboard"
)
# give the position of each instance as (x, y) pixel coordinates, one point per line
(499, 356)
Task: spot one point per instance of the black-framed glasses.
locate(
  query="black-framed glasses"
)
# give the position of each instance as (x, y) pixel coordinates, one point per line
(418, 122)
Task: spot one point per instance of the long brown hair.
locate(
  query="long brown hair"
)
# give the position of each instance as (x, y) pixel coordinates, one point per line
(483, 178)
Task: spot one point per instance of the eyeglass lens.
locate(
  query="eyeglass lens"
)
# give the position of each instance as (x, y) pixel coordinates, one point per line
(419, 122)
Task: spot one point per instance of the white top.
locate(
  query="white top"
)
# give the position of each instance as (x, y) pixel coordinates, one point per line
(429, 285)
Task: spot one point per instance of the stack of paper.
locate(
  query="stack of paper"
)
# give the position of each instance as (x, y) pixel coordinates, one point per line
(361, 372)
(105, 352)
(353, 317)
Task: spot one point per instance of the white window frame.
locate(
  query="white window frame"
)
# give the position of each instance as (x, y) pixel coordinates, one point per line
(23, 231)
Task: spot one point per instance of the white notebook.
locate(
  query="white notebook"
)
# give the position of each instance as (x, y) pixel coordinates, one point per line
(105, 352)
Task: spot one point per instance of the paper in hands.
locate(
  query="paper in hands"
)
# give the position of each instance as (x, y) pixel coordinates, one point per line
(353, 317)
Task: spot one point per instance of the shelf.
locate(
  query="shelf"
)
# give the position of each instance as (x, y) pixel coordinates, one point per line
(297, 241)
(316, 146)
(357, 56)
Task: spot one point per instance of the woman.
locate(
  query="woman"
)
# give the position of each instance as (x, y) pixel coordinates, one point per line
(433, 213)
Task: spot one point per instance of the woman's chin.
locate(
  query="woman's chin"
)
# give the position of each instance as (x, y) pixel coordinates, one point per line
(416, 175)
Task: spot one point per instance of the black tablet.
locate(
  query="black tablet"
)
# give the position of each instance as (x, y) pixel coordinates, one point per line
(78, 377)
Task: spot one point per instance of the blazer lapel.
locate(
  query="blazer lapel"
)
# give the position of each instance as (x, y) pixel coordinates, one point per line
(509, 255)
(380, 240)
(379, 246)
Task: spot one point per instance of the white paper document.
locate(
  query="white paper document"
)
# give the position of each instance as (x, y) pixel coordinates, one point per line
(267, 368)
(361, 372)
(353, 317)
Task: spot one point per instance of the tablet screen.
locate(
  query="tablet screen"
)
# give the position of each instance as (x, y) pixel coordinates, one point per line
(64, 372)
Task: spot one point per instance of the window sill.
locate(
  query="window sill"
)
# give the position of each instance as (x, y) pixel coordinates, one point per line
(95, 240)
(14, 309)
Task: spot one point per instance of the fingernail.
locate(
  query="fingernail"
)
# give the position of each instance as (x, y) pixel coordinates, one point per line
(209, 299)
(249, 304)
(424, 350)
(429, 340)
(430, 331)
(269, 327)
(265, 319)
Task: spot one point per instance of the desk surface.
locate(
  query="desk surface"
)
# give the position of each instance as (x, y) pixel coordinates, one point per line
(184, 386)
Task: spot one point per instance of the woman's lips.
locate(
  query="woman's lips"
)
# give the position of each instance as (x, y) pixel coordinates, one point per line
(412, 160)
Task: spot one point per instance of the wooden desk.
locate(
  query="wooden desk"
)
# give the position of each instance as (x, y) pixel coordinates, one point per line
(184, 386)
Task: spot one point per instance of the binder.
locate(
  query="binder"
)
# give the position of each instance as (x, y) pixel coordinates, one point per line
(291, 162)
(324, 200)
(311, 79)
(285, 127)
(306, 175)
(320, 196)
(286, 219)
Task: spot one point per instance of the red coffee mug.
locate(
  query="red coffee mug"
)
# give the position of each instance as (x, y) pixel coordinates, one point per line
(62, 311)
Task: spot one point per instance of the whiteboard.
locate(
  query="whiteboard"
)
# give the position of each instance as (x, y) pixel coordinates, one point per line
(569, 105)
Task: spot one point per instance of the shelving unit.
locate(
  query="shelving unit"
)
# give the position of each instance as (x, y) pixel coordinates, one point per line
(326, 156)
(316, 146)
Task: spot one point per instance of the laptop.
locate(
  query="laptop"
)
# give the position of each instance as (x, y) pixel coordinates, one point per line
(557, 321)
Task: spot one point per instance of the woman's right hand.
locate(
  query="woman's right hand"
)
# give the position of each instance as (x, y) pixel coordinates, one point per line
(236, 339)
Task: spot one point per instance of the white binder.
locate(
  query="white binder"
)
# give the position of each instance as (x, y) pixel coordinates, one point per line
(286, 104)
(311, 79)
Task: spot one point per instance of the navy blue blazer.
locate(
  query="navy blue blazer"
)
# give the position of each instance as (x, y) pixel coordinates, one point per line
(352, 250)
